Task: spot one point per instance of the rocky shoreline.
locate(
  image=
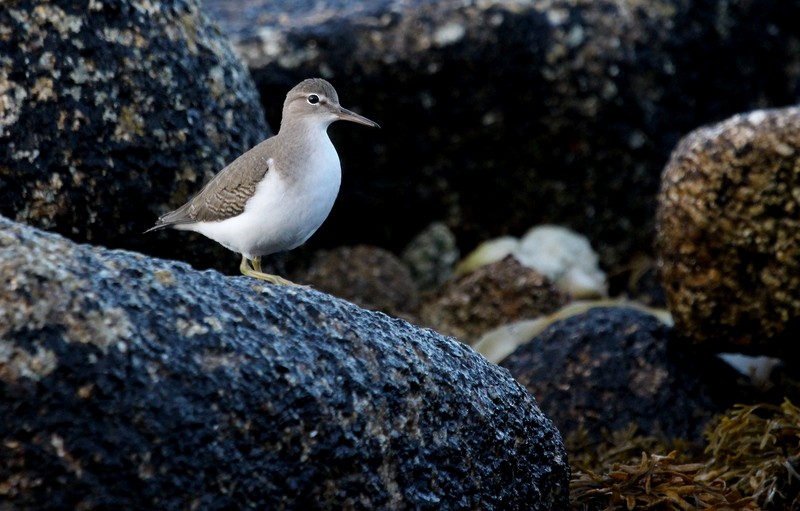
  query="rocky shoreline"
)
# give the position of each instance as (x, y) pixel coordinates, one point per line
(563, 275)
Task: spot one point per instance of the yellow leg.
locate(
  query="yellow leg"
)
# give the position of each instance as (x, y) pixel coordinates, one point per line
(256, 273)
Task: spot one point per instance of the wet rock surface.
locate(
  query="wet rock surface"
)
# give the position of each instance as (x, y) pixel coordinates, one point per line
(499, 115)
(613, 366)
(135, 383)
(115, 113)
(729, 234)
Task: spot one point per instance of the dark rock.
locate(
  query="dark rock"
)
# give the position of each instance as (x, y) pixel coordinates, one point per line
(135, 383)
(729, 234)
(432, 256)
(113, 113)
(640, 282)
(370, 277)
(492, 295)
(784, 384)
(613, 366)
(497, 113)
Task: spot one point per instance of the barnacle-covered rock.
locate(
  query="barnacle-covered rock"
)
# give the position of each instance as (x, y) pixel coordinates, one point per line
(729, 234)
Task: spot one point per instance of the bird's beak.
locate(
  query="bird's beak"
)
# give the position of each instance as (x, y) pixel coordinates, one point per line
(346, 115)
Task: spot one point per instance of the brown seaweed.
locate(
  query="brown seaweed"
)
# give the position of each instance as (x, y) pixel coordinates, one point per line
(751, 462)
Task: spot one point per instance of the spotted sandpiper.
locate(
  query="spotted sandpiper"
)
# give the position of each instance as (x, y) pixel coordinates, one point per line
(276, 195)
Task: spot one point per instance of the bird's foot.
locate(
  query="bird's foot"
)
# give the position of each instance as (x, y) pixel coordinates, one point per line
(255, 272)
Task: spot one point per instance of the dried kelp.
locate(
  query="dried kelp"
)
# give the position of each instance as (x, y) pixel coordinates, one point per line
(624, 446)
(656, 483)
(751, 462)
(756, 449)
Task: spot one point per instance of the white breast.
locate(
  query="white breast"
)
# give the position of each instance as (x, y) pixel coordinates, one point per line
(287, 207)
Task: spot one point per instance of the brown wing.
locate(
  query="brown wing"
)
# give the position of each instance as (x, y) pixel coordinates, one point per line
(226, 194)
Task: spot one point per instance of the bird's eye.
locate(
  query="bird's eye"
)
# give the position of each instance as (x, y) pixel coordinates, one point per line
(313, 99)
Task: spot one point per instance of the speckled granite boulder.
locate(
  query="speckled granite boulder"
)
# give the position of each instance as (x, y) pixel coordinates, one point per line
(729, 234)
(492, 295)
(496, 115)
(113, 112)
(370, 277)
(135, 383)
(613, 366)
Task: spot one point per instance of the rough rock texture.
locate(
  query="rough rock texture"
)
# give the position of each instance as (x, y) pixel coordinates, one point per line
(490, 296)
(370, 277)
(613, 366)
(431, 256)
(729, 234)
(500, 115)
(134, 383)
(114, 112)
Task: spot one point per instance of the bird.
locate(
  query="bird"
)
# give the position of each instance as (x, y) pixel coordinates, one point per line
(276, 195)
